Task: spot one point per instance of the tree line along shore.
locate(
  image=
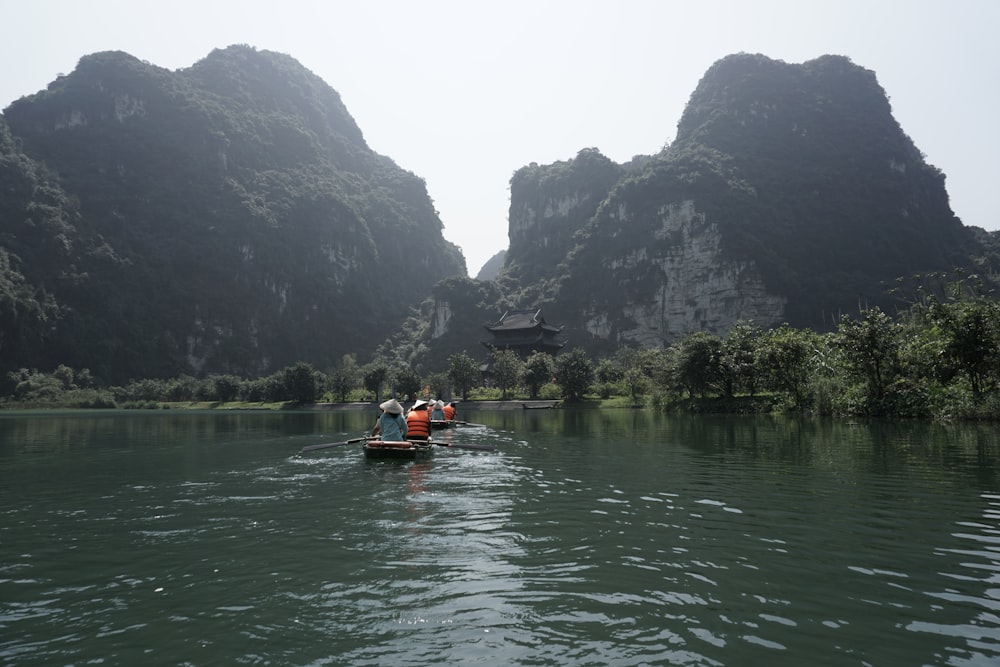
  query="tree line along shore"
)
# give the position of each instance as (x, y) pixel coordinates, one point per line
(937, 359)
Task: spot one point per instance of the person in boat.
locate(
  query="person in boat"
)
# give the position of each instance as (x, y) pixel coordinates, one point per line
(449, 411)
(437, 414)
(418, 422)
(390, 424)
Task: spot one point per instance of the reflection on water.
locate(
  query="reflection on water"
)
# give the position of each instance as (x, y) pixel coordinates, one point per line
(588, 538)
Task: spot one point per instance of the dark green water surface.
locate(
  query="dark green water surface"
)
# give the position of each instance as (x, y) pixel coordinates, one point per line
(588, 538)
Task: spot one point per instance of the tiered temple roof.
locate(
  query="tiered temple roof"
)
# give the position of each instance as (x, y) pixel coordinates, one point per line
(524, 331)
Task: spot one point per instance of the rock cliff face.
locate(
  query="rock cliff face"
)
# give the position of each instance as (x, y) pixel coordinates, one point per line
(693, 287)
(548, 206)
(789, 195)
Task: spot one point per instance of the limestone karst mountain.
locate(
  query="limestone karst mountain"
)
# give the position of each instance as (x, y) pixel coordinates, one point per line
(790, 194)
(228, 217)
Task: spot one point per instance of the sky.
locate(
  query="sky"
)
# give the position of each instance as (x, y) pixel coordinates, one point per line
(464, 92)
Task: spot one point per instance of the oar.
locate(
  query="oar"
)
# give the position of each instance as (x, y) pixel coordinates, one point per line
(455, 445)
(459, 421)
(327, 445)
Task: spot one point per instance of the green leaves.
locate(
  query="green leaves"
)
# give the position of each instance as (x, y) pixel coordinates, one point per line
(463, 371)
(574, 373)
(508, 370)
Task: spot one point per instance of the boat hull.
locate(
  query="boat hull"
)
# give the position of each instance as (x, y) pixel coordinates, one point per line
(378, 449)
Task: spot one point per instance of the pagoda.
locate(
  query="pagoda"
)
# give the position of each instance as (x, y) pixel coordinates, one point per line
(524, 332)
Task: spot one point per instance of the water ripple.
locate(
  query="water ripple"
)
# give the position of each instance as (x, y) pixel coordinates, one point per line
(566, 547)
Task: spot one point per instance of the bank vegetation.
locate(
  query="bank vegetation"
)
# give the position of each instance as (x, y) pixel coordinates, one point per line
(938, 359)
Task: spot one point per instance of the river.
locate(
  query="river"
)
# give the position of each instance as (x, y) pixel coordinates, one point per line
(589, 537)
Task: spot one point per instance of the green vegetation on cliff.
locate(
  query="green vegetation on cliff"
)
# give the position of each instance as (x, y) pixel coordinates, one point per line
(226, 218)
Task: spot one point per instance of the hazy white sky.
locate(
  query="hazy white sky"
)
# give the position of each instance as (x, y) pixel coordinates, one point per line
(465, 92)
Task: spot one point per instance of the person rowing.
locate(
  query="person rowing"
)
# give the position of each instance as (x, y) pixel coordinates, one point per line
(390, 424)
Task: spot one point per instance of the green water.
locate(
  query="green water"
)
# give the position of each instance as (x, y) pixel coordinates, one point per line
(586, 538)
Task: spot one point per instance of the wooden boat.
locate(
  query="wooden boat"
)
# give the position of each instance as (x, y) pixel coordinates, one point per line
(403, 449)
(438, 424)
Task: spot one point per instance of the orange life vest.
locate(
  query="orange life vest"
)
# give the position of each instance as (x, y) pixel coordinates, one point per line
(449, 412)
(418, 425)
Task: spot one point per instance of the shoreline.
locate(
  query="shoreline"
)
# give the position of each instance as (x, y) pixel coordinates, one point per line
(483, 405)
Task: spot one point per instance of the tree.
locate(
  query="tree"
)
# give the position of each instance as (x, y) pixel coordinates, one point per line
(739, 349)
(574, 373)
(408, 382)
(439, 384)
(344, 377)
(870, 350)
(635, 370)
(374, 376)
(972, 331)
(785, 358)
(64, 374)
(273, 388)
(607, 375)
(300, 383)
(463, 371)
(225, 388)
(538, 370)
(508, 370)
(700, 362)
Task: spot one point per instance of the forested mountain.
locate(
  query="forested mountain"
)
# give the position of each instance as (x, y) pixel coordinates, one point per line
(790, 194)
(228, 217)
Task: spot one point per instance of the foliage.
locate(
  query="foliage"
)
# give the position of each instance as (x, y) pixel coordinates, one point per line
(737, 367)
(374, 376)
(971, 328)
(439, 385)
(300, 383)
(539, 369)
(463, 373)
(342, 379)
(699, 363)
(871, 366)
(221, 219)
(635, 369)
(787, 357)
(198, 227)
(571, 191)
(870, 353)
(226, 388)
(407, 382)
(508, 371)
(574, 373)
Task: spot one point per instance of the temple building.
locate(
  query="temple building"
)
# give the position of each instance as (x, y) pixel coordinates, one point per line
(524, 332)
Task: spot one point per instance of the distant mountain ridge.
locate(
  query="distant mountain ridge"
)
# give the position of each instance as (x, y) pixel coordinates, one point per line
(491, 268)
(245, 223)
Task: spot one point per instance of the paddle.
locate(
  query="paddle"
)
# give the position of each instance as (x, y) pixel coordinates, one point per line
(327, 445)
(455, 445)
(459, 421)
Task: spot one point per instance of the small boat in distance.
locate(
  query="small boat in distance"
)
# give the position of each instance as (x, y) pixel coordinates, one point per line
(539, 405)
